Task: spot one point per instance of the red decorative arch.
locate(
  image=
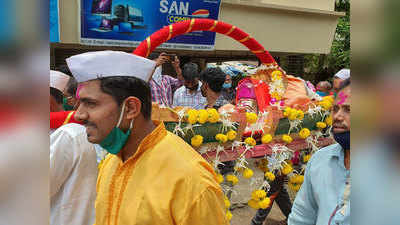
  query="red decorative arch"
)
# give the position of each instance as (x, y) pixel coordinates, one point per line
(173, 30)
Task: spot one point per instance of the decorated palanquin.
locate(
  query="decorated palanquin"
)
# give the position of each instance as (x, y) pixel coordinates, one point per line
(274, 118)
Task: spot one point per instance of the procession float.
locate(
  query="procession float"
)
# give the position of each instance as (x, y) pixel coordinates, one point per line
(275, 119)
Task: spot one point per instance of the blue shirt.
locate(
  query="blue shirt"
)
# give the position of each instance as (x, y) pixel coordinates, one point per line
(321, 197)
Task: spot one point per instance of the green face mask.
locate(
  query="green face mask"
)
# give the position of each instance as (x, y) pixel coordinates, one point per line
(116, 139)
(66, 106)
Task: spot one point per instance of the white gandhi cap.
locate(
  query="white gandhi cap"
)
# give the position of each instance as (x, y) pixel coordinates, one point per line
(58, 80)
(343, 74)
(93, 65)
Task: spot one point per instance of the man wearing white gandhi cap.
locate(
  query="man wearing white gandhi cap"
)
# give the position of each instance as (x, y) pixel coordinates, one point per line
(151, 176)
(58, 82)
(340, 76)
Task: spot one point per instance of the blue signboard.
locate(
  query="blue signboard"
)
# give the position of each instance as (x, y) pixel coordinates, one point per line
(54, 21)
(128, 22)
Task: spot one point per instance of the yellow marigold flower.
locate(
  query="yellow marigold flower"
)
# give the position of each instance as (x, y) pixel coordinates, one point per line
(232, 178)
(203, 116)
(304, 133)
(258, 194)
(251, 117)
(228, 215)
(328, 98)
(276, 75)
(213, 115)
(270, 176)
(222, 138)
(286, 138)
(294, 187)
(300, 115)
(253, 204)
(250, 141)
(192, 115)
(227, 203)
(299, 179)
(197, 140)
(325, 104)
(321, 125)
(276, 95)
(220, 178)
(306, 158)
(328, 120)
(264, 203)
(287, 169)
(231, 135)
(293, 114)
(248, 173)
(267, 138)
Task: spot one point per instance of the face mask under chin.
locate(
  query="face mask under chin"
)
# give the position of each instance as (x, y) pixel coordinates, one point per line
(116, 139)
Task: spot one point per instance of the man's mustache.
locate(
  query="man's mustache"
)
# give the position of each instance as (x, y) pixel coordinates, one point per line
(89, 124)
(339, 125)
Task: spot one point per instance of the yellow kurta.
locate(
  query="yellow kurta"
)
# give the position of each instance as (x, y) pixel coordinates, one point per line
(165, 182)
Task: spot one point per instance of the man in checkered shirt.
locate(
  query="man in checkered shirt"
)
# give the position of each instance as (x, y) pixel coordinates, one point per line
(163, 86)
(190, 95)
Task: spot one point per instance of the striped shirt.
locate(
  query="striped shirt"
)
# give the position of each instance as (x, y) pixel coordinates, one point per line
(163, 88)
(182, 97)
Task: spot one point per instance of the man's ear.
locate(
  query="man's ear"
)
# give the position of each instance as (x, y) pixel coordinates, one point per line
(133, 107)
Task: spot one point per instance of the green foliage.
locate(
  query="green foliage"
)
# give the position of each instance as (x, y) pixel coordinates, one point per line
(323, 67)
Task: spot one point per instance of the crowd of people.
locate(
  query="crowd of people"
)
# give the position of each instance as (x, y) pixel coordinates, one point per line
(151, 176)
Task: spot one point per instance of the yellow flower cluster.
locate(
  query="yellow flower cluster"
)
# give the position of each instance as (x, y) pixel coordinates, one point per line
(270, 176)
(259, 199)
(231, 135)
(213, 115)
(304, 133)
(251, 117)
(286, 169)
(276, 75)
(222, 138)
(328, 120)
(293, 114)
(295, 182)
(248, 173)
(196, 140)
(258, 195)
(267, 138)
(276, 95)
(321, 125)
(203, 116)
(287, 139)
(227, 202)
(228, 215)
(232, 178)
(220, 178)
(250, 141)
(306, 158)
(192, 116)
(326, 102)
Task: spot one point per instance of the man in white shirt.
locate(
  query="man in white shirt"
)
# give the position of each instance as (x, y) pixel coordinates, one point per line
(189, 95)
(73, 176)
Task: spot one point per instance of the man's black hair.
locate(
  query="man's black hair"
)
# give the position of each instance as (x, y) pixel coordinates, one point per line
(57, 95)
(121, 88)
(72, 86)
(190, 71)
(64, 69)
(344, 84)
(214, 77)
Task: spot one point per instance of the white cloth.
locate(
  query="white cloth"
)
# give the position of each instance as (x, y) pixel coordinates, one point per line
(58, 80)
(343, 74)
(92, 65)
(73, 175)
